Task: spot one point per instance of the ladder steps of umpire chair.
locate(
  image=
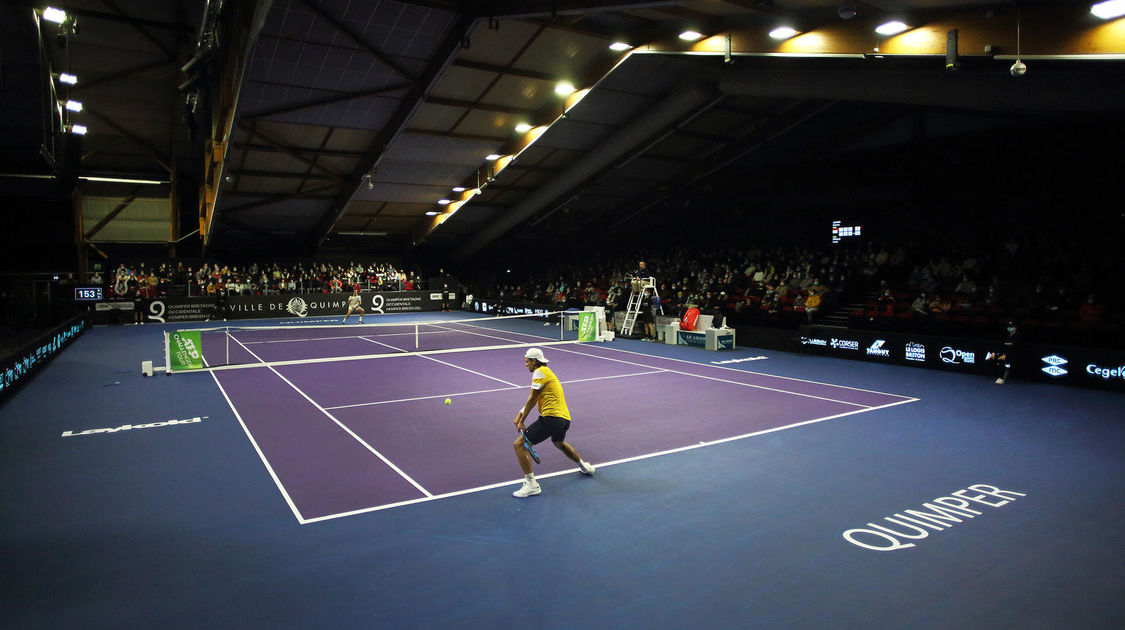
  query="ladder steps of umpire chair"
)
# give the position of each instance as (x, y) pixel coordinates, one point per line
(636, 302)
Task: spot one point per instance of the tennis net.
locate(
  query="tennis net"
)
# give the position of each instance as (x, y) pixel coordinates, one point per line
(230, 347)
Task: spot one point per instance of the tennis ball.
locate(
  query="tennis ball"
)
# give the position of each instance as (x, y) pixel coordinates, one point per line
(448, 401)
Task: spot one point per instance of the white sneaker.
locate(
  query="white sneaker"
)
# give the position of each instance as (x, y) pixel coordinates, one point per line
(529, 488)
(586, 468)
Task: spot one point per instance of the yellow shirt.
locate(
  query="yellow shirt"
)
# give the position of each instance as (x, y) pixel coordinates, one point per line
(552, 402)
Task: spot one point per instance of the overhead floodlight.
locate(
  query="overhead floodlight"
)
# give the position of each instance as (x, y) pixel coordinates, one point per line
(523, 127)
(893, 27)
(783, 32)
(1109, 9)
(51, 14)
(619, 46)
(492, 157)
(458, 189)
(432, 213)
(564, 88)
(690, 36)
(444, 202)
(78, 130)
(68, 78)
(73, 106)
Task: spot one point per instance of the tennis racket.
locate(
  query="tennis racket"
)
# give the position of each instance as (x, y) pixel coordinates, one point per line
(530, 449)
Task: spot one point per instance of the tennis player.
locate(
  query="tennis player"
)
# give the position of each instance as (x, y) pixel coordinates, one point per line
(553, 422)
(354, 301)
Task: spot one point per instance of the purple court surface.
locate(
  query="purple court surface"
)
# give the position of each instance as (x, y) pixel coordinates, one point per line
(375, 433)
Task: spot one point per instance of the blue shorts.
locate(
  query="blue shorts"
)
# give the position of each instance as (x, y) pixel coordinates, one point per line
(547, 427)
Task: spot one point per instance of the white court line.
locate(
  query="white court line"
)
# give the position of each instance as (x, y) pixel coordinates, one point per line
(486, 391)
(773, 389)
(720, 380)
(261, 455)
(704, 377)
(723, 367)
(345, 428)
(599, 466)
(449, 364)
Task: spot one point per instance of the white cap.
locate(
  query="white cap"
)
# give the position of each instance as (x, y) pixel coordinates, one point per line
(535, 353)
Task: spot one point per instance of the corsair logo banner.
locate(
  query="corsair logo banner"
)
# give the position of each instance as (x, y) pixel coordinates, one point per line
(1054, 366)
(877, 349)
(844, 344)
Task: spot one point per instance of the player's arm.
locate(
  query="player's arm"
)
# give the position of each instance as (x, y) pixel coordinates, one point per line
(532, 399)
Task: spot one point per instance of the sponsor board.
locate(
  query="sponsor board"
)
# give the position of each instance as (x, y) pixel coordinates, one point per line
(182, 309)
(957, 356)
(876, 349)
(915, 352)
(1054, 366)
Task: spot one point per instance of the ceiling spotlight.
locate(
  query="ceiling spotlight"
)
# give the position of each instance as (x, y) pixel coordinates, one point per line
(1109, 9)
(783, 32)
(846, 11)
(893, 27)
(619, 46)
(51, 14)
(458, 189)
(690, 36)
(492, 157)
(78, 130)
(431, 213)
(564, 88)
(444, 202)
(73, 106)
(68, 79)
(523, 127)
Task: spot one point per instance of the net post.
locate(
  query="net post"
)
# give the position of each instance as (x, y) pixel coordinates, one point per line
(167, 355)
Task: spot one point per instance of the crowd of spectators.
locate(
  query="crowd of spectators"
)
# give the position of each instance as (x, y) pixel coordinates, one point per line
(975, 288)
(213, 279)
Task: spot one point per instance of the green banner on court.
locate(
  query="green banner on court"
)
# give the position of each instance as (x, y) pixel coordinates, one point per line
(185, 350)
(587, 326)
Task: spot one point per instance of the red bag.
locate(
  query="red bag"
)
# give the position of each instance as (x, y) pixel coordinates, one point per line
(689, 319)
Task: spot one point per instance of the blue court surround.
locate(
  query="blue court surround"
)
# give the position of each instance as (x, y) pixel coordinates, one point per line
(180, 526)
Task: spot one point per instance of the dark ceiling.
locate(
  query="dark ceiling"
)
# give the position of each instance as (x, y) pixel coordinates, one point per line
(313, 126)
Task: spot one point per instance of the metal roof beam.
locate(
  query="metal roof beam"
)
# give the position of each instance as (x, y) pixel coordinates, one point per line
(355, 37)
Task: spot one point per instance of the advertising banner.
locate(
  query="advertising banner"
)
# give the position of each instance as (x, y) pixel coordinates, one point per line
(1048, 363)
(185, 350)
(587, 326)
(183, 309)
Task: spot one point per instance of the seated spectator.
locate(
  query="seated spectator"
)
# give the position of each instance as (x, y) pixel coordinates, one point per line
(921, 305)
(940, 306)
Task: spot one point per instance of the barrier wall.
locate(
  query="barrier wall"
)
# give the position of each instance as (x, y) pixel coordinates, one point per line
(1088, 367)
(19, 367)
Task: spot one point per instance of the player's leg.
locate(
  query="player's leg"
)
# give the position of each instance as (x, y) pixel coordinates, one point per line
(522, 455)
(558, 438)
(360, 309)
(535, 433)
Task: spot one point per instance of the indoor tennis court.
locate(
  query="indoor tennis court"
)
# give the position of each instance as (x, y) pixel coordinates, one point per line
(774, 490)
